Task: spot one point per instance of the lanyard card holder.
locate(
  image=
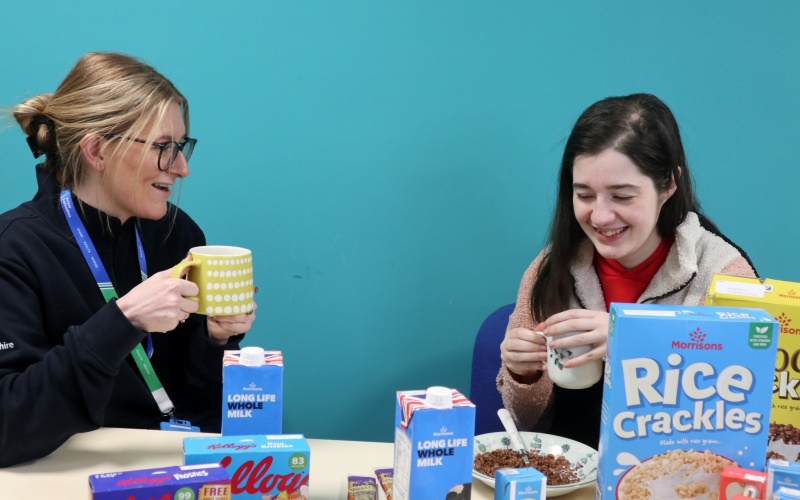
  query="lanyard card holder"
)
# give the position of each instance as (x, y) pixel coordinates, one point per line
(179, 425)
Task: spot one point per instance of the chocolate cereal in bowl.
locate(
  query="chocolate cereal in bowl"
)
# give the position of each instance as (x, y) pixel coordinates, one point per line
(567, 464)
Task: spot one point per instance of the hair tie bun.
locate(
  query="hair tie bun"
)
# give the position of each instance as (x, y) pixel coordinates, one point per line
(33, 141)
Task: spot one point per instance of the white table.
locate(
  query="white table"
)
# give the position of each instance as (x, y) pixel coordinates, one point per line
(65, 473)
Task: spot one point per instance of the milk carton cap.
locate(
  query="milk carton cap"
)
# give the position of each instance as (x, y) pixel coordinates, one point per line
(439, 397)
(252, 356)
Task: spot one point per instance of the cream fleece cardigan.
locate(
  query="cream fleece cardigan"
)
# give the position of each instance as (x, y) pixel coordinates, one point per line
(684, 278)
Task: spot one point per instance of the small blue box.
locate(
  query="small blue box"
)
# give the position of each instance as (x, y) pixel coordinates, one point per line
(519, 484)
(782, 474)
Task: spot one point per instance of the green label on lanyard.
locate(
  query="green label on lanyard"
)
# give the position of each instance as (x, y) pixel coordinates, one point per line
(108, 293)
(145, 367)
(151, 379)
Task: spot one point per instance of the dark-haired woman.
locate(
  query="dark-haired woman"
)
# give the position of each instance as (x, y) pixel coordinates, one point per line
(627, 228)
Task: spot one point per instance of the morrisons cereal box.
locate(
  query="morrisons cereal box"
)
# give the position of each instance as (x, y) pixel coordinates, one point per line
(261, 467)
(782, 300)
(433, 443)
(191, 482)
(687, 391)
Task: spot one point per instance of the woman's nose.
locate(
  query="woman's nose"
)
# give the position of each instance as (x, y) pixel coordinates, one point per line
(180, 167)
(602, 213)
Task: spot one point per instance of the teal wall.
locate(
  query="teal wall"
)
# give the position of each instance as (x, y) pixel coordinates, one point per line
(392, 164)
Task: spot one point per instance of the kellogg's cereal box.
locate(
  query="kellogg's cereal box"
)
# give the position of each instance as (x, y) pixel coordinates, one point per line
(261, 467)
(433, 442)
(252, 392)
(191, 482)
(782, 300)
(687, 392)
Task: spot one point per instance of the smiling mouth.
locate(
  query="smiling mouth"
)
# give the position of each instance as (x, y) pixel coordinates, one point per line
(162, 187)
(611, 232)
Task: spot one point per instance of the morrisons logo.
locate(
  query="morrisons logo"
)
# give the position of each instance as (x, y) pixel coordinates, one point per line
(696, 342)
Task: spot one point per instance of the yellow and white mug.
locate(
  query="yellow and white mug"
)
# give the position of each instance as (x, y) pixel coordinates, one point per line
(224, 276)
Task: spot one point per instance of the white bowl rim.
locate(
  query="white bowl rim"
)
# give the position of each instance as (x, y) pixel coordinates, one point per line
(524, 434)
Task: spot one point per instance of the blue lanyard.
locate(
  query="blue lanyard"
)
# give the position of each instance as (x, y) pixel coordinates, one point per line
(107, 289)
(93, 259)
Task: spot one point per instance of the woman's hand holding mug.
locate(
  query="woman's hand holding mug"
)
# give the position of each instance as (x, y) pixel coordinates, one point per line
(222, 327)
(524, 352)
(225, 288)
(576, 346)
(159, 303)
(224, 278)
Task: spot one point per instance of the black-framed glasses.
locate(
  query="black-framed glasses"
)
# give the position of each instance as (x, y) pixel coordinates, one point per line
(169, 150)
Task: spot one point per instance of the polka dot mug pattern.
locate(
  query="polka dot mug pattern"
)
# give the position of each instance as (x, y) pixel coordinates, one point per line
(224, 276)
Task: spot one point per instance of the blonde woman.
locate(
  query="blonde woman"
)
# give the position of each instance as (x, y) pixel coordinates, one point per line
(93, 330)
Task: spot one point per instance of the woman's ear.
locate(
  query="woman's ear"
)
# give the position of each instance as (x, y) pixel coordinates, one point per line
(673, 183)
(673, 186)
(92, 151)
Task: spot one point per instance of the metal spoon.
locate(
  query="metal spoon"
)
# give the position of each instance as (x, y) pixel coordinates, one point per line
(516, 440)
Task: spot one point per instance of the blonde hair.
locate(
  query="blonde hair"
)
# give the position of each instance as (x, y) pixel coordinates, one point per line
(107, 94)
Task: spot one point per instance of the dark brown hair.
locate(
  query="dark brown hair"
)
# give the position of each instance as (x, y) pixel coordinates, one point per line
(644, 129)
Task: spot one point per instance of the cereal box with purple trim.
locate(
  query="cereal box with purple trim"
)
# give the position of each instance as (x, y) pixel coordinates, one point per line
(433, 444)
(782, 300)
(208, 481)
(261, 467)
(252, 392)
(687, 391)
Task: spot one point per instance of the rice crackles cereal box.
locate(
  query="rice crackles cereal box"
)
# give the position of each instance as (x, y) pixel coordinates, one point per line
(261, 467)
(433, 443)
(687, 392)
(782, 300)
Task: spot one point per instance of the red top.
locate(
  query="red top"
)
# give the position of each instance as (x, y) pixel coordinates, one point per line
(627, 285)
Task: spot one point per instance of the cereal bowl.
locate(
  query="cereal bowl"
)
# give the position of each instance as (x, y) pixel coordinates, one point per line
(583, 458)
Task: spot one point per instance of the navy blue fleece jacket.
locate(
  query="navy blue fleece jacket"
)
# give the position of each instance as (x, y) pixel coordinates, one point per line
(65, 364)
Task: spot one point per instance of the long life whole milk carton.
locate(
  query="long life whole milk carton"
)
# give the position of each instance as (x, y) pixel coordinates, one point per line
(261, 467)
(252, 392)
(207, 481)
(433, 443)
(687, 392)
(782, 300)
